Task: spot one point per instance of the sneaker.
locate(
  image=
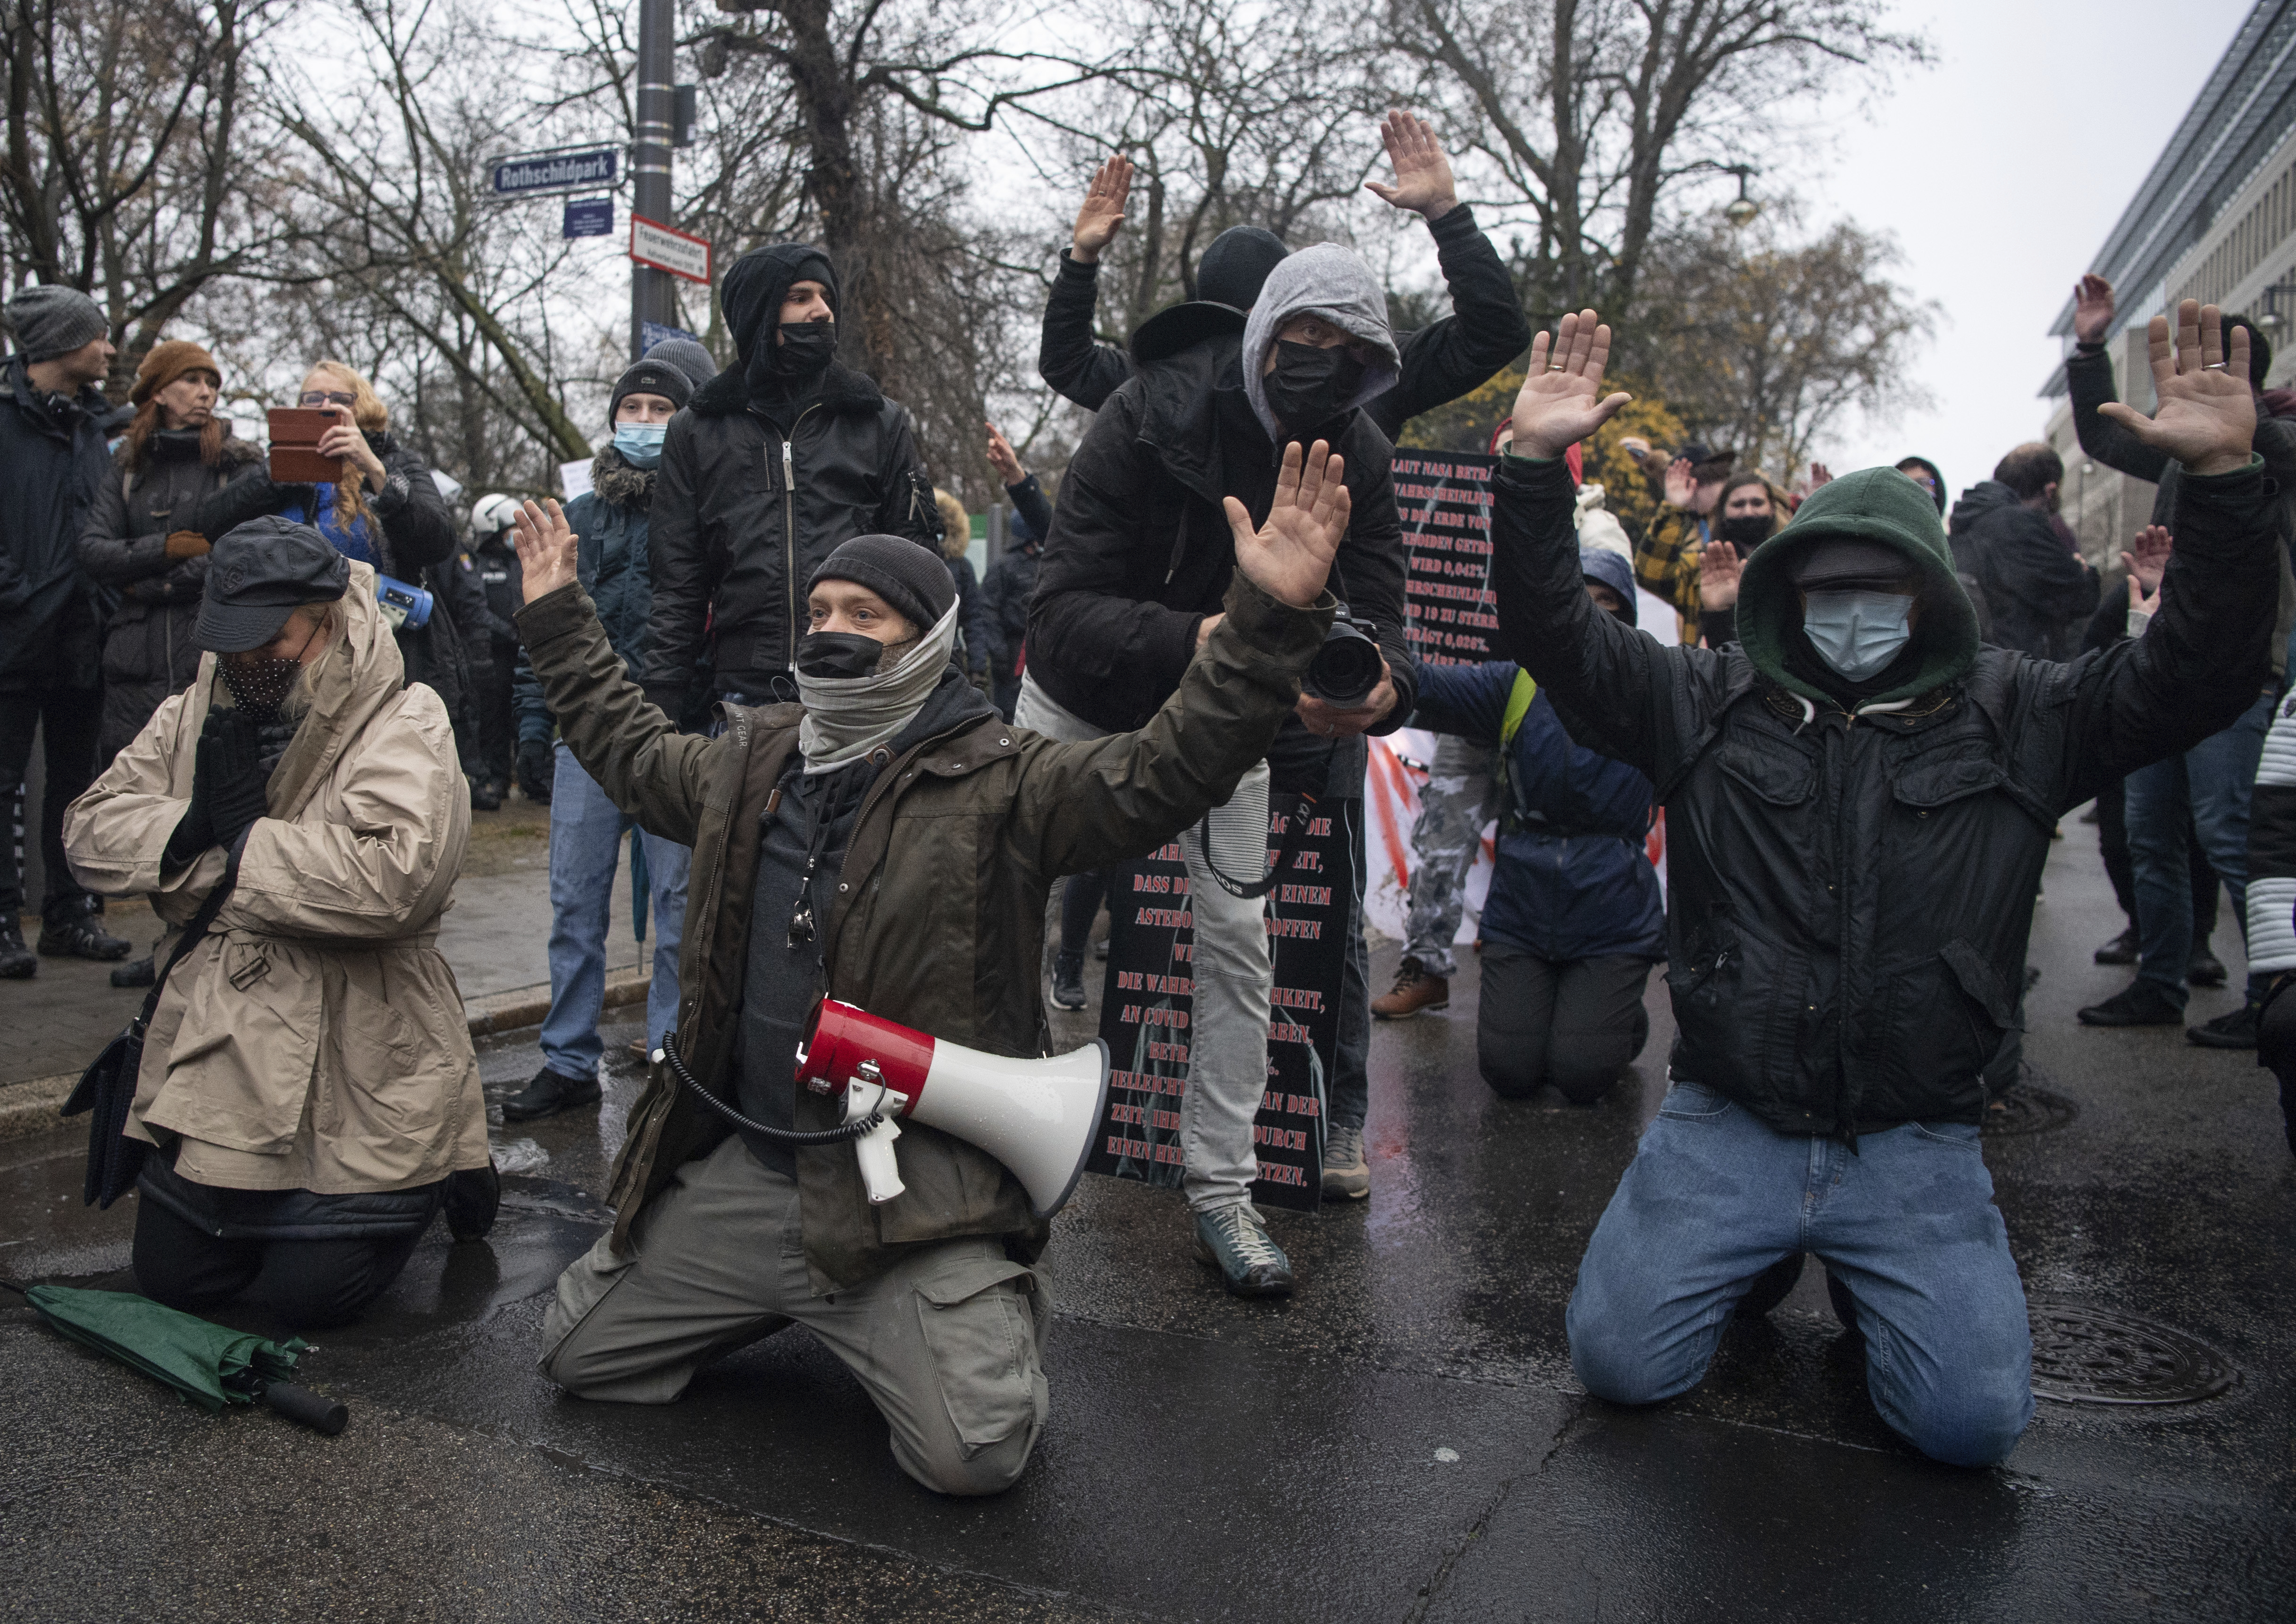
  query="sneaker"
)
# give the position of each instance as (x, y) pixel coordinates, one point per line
(484, 797)
(2139, 1003)
(135, 972)
(1235, 1241)
(1068, 981)
(1414, 991)
(1346, 1175)
(2205, 970)
(16, 961)
(550, 1092)
(1099, 949)
(78, 935)
(2237, 1030)
(2120, 950)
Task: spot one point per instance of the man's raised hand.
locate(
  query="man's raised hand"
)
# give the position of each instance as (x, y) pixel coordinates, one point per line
(1290, 557)
(1422, 174)
(1719, 570)
(1681, 483)
(1562, 401)
(546, 548)
(2092, 308)
(1102, 214)
(2146, 560)
(2206, 418)
(1001, 456)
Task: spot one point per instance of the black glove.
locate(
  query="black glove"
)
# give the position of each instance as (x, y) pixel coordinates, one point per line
(535, 770)
(228, 788)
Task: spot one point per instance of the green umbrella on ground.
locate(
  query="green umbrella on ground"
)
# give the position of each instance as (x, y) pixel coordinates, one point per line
(211, 1365)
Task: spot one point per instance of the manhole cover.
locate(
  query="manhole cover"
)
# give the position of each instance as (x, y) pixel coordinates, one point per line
(2029, 1111)
(2092, 1356)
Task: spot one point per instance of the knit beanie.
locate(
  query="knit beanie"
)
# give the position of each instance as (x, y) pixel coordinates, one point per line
(912, 580)
(168, 361)
(1235, 267)
(651, 377)
(697, 364)
(51, 321)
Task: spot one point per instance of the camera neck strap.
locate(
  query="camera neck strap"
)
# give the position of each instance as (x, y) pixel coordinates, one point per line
(1295, 830)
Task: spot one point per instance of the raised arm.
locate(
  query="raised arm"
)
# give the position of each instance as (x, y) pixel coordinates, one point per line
(2088, 381)
(635, 752)
(1068, 358)
(1485, 329)
(2206, 654)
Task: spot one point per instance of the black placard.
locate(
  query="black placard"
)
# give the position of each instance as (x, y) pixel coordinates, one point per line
(1444, 500)
(1147, 1007)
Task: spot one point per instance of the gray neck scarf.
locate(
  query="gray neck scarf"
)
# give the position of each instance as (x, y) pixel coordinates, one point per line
(848, 717)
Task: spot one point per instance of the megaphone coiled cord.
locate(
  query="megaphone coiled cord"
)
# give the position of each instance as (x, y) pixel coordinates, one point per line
(786, 1136)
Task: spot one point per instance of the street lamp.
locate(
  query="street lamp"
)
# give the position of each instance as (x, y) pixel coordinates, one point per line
(1740, 210)
(2270, 317)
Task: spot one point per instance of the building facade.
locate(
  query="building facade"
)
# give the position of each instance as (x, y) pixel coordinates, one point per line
(2215, 220)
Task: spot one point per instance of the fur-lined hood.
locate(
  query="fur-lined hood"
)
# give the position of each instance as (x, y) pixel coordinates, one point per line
(615, 480)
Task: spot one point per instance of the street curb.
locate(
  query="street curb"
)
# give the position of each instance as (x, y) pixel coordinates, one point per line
(28, 1107)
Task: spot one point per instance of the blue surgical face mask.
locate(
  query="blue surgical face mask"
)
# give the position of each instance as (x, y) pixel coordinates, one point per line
(640, 443)
(1856, 633)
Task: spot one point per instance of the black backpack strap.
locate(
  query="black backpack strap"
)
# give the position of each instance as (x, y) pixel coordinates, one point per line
(195, 931)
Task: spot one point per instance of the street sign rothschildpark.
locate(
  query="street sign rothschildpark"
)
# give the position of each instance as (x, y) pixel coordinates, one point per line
(567, 170)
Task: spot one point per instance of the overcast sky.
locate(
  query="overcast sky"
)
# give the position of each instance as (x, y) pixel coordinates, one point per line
(2000, 170)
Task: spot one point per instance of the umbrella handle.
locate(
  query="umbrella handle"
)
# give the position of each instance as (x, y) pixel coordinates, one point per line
(322, 1414)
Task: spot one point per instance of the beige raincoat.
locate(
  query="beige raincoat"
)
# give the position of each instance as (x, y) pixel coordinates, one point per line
(315, 1040)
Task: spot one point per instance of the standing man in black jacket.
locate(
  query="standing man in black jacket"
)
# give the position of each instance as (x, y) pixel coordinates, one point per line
(779, 458)
(52, 451)
(2039, 593)
(1439, 362)
(1011, 580)
(1130, 587)
(1858, 800)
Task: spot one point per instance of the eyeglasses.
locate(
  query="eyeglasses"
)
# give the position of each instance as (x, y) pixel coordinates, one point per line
(322, 397)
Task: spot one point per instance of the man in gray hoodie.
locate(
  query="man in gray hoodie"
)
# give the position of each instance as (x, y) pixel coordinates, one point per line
(1128, 589)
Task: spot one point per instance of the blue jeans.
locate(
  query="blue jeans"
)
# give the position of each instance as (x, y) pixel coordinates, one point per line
(1906, 1225)
(586, 844)
(2213, 778)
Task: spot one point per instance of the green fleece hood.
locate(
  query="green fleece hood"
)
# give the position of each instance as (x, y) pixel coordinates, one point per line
(1877, 504)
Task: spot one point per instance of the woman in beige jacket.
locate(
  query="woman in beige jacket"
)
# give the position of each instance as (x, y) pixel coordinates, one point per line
(307, 1079)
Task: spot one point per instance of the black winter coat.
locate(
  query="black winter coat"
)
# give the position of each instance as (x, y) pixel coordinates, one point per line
(2088, 381)
(2035, 590)
(1140, 550)
(53, 464)
(1442, 361)
(148, 651)
(1011, 582)
(742, 518)
(1848, 899)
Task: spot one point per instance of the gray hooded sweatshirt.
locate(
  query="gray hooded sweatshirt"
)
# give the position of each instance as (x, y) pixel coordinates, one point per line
(1328, 281)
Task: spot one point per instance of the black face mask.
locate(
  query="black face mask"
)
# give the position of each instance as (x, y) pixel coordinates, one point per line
(260, 687)
(806, 348)
(1311, 385)
(834, 655)
(1746, 532)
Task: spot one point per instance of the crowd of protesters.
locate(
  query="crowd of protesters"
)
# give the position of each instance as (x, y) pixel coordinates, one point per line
(757, 647)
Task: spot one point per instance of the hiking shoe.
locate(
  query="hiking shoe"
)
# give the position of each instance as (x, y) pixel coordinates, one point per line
(16, 961)
(135, 972)
(1235, 1241)
(2237, 1030)
(2139, 1003)
(1346, 1175)
(2120, 950)
(1099, 949)
(1068, 981)
(77, 935)
(550, 1092)
(472, 1197)
(2205, 970)
(1415, 990)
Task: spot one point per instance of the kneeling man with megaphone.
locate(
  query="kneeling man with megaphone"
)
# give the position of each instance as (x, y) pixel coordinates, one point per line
(880, 1165)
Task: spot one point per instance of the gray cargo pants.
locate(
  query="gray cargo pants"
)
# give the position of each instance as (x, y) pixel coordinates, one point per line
(1461, 795)
(947, 1342)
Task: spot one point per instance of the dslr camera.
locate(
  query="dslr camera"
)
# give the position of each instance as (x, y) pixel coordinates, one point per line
(1348, 666)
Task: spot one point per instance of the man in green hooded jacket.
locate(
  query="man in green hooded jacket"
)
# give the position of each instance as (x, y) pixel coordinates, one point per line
(1858, 804)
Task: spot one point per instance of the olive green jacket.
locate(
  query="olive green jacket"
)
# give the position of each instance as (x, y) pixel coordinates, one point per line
(938, 919)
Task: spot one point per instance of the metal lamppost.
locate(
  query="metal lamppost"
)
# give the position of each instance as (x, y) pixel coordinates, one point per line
(652, 297)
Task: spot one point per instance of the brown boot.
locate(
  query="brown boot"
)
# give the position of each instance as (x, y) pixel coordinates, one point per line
(1415, 990)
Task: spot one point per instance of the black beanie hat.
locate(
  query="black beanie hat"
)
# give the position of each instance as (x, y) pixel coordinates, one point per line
(651, 377)
(910, 578)
(760, 280)
(1235, 267)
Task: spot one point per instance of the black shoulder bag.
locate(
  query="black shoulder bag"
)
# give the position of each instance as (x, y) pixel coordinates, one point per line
(108, 1086)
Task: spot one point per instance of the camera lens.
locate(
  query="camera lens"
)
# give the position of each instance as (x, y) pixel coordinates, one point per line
(1346, 668)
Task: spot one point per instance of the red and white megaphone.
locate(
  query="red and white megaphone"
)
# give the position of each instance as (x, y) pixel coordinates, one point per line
(1038, 1117)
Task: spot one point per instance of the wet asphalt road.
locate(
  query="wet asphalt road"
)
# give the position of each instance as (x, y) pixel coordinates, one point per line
(1213, 1459)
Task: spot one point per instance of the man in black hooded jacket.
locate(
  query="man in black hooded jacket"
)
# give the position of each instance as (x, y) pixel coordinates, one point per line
(1440, 362)
(2037, 591)
(1858, 800)
(779, 458)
